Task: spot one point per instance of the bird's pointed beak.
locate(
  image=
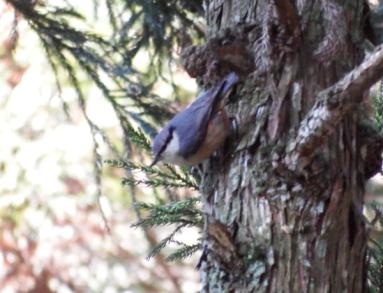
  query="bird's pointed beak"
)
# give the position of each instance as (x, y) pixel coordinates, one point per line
(155, 161)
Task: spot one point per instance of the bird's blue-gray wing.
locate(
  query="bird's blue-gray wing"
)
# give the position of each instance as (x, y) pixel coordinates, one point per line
(191, 124)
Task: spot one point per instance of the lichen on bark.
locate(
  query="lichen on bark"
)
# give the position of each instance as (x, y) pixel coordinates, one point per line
(292, 229)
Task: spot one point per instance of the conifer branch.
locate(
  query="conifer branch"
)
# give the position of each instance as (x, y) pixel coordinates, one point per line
(184, 252)
(182, 212)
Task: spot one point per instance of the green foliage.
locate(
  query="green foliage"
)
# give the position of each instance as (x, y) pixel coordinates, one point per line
(378, 107)
(182, 213)
(184, 252)
(108, 60)
(137, 136)
(157, 18)
(181, 253)
(378, 208)
(375, 21)
(167, 177)
(375, 270)
(76, 54)
(375, 250)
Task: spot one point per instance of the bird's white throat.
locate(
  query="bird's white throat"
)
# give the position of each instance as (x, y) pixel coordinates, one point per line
(170, 154)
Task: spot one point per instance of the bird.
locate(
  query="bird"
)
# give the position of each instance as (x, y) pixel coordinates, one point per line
(195, 133)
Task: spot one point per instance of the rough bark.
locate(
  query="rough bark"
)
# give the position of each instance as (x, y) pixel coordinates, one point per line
(280, 218)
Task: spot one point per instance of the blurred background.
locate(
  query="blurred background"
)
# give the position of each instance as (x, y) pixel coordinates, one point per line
(53, 235)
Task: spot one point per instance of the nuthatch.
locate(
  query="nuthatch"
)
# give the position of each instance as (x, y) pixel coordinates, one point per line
(195, 133)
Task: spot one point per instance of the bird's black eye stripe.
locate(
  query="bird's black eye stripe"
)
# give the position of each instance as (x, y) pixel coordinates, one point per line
(168, 139)
(158, 155)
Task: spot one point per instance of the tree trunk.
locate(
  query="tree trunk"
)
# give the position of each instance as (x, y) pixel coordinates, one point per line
(278, 222)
